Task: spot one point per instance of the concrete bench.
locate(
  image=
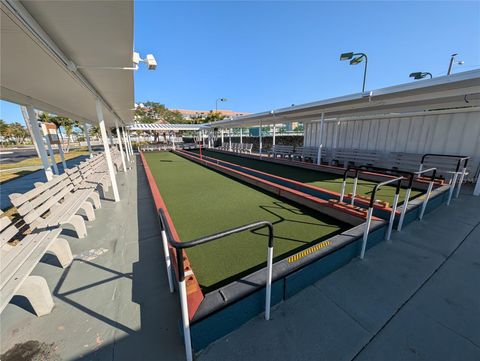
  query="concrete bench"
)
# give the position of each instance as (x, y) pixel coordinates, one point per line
(306, 153)
(55, 203)
(246, 148)
(19, 260)
(284, 151)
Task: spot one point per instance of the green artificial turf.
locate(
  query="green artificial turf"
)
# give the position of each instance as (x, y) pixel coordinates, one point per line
(201, 202)
(332, 182)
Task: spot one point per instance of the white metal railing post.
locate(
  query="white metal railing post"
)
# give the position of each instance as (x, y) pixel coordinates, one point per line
(268, 295)
(342, 194)
(320, 144)
(38, 139)
(404, 209)
(460, 182)
(260, 139)
(168, 261)
(392, 216)
(354, 191)
(452, 187)
(182, 287)
(119, 137)
(86, 130)
(424, 204)
(365, 232)
(108, 156)
(274, 135)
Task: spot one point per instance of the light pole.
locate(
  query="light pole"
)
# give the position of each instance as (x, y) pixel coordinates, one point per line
(216, 103)
(452, 61)
(357, 58)
(420, 75)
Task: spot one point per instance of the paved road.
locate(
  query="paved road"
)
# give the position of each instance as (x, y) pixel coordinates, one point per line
(13, 155)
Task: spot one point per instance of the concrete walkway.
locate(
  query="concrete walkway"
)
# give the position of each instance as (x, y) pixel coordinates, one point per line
(414, 298)
(113, 302)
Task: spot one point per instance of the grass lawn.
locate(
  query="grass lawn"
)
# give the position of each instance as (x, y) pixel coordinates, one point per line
(201, 202)
(6, 175)
(324, 180)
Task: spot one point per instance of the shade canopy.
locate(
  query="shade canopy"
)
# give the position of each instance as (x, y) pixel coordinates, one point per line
(453, 91)
(164, 127)
(42, 41)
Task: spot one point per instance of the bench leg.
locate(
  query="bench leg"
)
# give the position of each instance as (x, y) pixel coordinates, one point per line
(79, 224)
(61, 249)
(36, 290)
(88, 208)
(95, 197)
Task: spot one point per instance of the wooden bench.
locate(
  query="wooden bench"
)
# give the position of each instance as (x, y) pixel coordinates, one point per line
(284, 151)
(55, 203)
(19, 260)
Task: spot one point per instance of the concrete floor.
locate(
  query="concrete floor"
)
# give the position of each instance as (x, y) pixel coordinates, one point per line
(415, 298)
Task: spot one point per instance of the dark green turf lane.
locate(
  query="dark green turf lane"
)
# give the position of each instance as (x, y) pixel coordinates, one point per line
(201, 202)
(332, 182)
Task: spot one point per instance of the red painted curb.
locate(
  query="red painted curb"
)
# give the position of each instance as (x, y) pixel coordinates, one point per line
(194, 292)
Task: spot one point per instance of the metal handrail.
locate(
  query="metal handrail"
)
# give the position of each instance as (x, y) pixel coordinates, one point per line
(411, 176)
(180, 246)
(398, 180)
(429, 190)
(461, 158)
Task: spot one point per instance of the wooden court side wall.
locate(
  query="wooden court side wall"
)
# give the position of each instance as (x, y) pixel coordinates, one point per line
(441, 132)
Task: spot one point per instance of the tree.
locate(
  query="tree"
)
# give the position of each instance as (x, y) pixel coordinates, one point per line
(211, 117)
(153, 112)
(13, 132)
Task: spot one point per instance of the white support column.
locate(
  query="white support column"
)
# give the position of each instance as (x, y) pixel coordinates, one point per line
(260, 139)
(110, 137)
(221, 134)
(52, 155)
(108, 156)
(127, 149)
(29, 127)
(230, 139)
(241, 135)
(86, 130)
(476, 191)
(119, 137)
(274, 133)
(60, 150)
(319, 154)
(130, 144)
(38, 139)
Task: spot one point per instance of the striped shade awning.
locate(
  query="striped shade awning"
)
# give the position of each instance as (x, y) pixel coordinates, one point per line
(164, 127)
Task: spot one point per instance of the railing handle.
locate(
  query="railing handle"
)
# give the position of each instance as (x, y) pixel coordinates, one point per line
(179, 246)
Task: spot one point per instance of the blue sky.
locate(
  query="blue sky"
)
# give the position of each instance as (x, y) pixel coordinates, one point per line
(266, 55)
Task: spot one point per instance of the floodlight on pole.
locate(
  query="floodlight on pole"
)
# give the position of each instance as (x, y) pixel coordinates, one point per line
(136, 60)
(357, 58)
(216, 103)
(420, 75)
(452, 61)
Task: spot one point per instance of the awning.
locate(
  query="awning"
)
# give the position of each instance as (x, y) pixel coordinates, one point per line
(453, 91)
(164, 127)
(41, 40)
